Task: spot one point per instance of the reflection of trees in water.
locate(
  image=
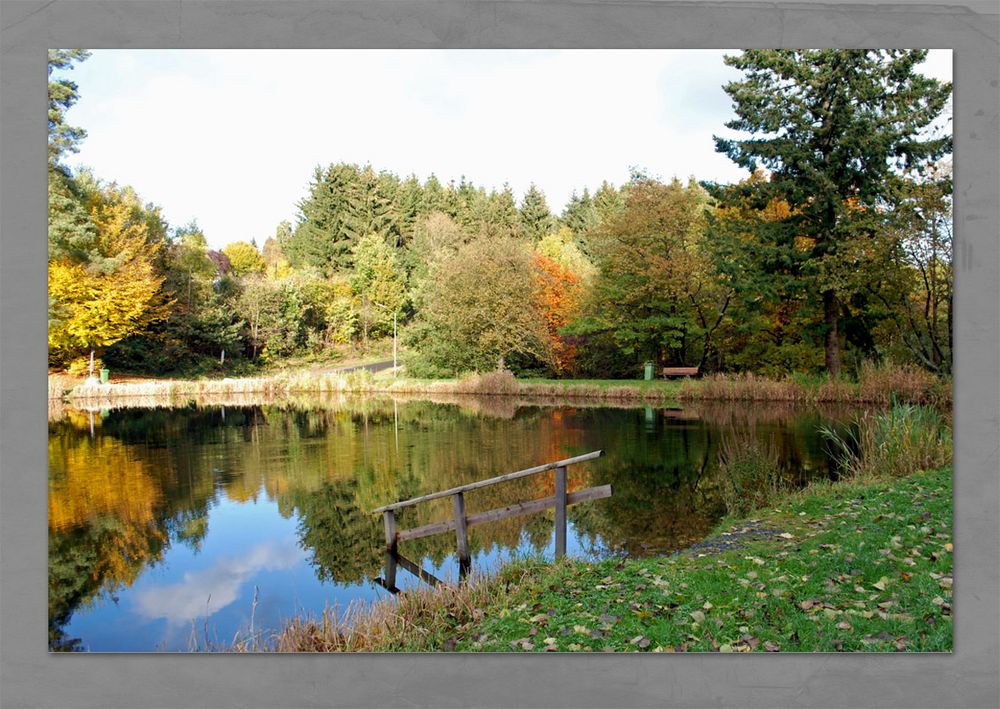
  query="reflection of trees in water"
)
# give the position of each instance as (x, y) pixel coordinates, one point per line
(147, 477)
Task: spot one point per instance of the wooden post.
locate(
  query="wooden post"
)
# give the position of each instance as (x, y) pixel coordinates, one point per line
(389, 517)
(461, 533)
(560, 511)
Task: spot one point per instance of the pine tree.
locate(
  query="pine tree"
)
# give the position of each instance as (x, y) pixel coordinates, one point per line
(63, 94)
(536, 219)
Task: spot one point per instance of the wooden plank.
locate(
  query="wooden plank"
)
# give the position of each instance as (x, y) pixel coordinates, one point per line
(417, 571)
(425, 531)
(461, 531)
(389, 521)
(491, 481)
(515, 510)
(560, 512)
(390, 570)
(387, 586)
(680, 371)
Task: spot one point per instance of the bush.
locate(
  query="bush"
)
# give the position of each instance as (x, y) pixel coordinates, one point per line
(750, 473)
(500, 381)
(897, 442)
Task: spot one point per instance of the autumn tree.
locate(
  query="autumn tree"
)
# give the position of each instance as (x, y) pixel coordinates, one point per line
(98, 302)
(835, 128)
(244, 258)
(558, 298)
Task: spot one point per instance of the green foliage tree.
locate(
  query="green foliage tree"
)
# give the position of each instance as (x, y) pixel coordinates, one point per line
(480, 312)
(381, 282)
(656, 292)
(835, 128)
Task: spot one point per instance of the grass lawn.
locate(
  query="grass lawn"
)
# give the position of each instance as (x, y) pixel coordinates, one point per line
(841, 567)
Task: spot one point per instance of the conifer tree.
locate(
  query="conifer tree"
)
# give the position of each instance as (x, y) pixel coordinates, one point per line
(836, 128)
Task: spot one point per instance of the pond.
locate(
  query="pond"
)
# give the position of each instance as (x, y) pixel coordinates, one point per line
(172, 529)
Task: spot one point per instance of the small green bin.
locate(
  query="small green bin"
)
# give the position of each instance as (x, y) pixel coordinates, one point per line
(105, 373)
(649, 371)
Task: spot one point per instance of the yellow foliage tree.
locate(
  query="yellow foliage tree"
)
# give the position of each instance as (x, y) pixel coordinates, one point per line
(114, 295)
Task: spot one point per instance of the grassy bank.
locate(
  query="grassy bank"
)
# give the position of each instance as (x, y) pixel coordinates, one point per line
(874, 386)
(838, 567)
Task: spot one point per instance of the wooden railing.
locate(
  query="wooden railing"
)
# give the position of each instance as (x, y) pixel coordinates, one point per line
(461, 522)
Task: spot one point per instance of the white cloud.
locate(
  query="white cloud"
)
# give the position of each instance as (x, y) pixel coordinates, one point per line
(203, 593)
(230, 137)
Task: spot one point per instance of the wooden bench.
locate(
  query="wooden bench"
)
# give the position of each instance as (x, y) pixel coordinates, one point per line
(679, 372)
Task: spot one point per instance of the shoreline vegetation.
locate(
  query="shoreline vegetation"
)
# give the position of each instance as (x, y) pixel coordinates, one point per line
(874, 385)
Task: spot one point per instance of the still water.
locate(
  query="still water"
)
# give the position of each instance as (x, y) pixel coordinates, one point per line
(173, 528)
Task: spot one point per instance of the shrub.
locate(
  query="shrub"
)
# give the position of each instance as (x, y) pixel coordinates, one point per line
(499, 381)
(750, 473)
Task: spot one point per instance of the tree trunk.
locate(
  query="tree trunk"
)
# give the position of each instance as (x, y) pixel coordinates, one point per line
(831, 315)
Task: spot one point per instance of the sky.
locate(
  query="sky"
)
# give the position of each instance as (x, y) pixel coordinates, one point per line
(230, 138)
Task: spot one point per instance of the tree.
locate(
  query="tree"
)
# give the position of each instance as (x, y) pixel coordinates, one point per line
(480, 311)
(380, 281)
(656, 291)
(536, 219)
(835, 128)
(916, 285)
(63, 94)
(244, 259)
(559, 295)
(579, 215)
(97, 303)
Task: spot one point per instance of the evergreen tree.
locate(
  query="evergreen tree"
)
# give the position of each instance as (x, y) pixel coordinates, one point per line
(835, 128)
(63, 94)
(536, 219)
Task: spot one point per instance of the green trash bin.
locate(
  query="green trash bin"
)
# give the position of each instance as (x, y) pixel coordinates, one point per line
(105, 373)
(649, 371)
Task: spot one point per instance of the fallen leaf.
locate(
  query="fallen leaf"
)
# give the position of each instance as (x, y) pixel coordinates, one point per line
(698, 617)
(771, 646)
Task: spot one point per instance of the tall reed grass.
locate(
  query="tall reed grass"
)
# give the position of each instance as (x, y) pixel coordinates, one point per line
(750, 472)
(902, 440)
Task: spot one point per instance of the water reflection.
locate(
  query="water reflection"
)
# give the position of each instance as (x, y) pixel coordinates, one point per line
(162, 508)
(203, 593)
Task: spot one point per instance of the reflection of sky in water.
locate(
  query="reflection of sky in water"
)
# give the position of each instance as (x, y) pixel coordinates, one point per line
(249, 545)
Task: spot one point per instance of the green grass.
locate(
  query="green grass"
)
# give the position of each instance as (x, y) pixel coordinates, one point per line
(854, 567)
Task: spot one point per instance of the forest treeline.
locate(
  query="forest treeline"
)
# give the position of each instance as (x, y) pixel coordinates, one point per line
(835, 249)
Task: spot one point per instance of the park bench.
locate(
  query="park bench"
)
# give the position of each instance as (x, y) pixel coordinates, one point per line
(679, 372)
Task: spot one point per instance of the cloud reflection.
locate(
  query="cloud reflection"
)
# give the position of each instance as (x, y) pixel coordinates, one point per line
(203, 593)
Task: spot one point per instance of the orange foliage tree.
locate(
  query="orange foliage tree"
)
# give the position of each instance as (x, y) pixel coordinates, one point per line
(558, 296)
